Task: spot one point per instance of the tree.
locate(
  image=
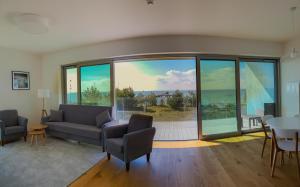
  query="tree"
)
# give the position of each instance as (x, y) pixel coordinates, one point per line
(91, 95)
(126, 99)
(190, 99)
(151, 99)
(162, 102)
(176, 100)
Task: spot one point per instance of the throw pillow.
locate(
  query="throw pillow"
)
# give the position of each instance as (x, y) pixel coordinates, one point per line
(56, 115)
(103, 118)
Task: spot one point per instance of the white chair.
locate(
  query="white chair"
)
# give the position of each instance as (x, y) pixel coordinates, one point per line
(285, 140)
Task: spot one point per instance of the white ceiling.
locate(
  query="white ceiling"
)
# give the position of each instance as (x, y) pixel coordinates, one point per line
(82, 22)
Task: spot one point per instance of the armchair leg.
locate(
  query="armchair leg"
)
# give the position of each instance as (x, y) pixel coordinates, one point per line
(127, 166)
(148, 157)
(103, 149)
(25, 138)
(108, 156)
(2, 143)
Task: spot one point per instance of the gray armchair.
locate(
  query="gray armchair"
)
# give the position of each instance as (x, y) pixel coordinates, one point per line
(130, 141)
(12, 126)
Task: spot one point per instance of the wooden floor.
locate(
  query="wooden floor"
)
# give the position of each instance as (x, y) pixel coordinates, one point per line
(227, 162)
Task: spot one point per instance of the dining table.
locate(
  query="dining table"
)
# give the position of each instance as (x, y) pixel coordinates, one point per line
(284, 123)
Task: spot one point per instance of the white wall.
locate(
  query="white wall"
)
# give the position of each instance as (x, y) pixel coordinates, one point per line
(26, 102)
(51, 72)
(290, 72)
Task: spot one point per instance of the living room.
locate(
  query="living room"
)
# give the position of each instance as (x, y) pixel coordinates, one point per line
(149, 92)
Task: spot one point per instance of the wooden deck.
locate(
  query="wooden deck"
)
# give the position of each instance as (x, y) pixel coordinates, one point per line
(228, 162)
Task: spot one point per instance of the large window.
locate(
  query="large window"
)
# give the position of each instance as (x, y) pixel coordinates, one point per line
(71, 85)
(164, 89)
(233, 92)
(95, 85)
(257, 91)
(218, 96)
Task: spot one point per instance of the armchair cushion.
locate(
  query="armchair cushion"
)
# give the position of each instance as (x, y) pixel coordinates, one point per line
(56, 115)
(102, 118)
(9, 117)
(14, 130)
(116, 131)
(115, 145)
(139, 122)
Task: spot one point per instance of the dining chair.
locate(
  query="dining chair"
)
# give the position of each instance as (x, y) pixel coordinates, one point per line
(285, 140)
(268, 136)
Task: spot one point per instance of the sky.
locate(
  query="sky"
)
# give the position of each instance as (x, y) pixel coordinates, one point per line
(217, 75)
(151, 75)
(98, 76)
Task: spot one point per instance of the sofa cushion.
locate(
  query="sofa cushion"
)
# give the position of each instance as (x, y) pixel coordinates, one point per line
(9, 117)
(102, 118)
(56, 115)
(76, 129)
(139, 122)
(115, 145)
(82, 114)
(14, 130)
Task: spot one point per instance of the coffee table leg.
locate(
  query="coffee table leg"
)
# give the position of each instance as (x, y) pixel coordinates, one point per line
(44, 139)
(31, 141)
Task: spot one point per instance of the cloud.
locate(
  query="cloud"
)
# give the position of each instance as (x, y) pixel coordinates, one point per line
(181, 80)
(127, 74)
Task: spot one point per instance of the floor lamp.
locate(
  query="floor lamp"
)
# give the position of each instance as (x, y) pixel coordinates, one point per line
(43, 94)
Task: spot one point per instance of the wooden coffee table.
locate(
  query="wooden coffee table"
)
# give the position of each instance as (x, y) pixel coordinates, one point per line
(36, 131)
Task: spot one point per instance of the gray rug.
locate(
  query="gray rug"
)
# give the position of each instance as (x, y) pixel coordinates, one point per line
(55, 164)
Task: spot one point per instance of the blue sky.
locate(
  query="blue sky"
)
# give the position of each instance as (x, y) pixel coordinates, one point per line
(160, 67)
(98, 75)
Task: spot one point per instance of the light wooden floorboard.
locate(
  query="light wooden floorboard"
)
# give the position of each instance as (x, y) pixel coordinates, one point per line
(226, 162)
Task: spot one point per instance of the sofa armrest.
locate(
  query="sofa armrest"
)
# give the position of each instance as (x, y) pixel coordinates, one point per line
(23, 122)
(116, 131)
(45, 119)
(138, 143)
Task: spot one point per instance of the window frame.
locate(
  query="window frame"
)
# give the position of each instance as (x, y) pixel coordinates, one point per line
(78, 66)
(198, 57)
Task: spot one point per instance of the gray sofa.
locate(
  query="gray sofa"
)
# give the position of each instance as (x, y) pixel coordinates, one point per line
(12, 126)
(79, 123)
(130, 141)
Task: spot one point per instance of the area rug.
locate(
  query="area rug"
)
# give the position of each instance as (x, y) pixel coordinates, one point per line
(57, 163)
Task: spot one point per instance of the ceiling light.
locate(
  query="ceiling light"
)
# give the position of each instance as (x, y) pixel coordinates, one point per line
(150, 2)
(31, 23)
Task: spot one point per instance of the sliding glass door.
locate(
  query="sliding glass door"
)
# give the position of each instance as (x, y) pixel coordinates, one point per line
(162, 88)
(218, 97)
(258, 96)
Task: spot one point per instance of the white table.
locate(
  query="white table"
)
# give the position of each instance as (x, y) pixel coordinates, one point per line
(288, 123)
(285, 123)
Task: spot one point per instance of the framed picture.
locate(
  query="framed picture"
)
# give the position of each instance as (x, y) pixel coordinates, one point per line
(20, 80)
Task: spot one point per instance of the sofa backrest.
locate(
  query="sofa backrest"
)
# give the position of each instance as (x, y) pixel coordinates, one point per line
(82, 114)
(139, 122)
(9, 117)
